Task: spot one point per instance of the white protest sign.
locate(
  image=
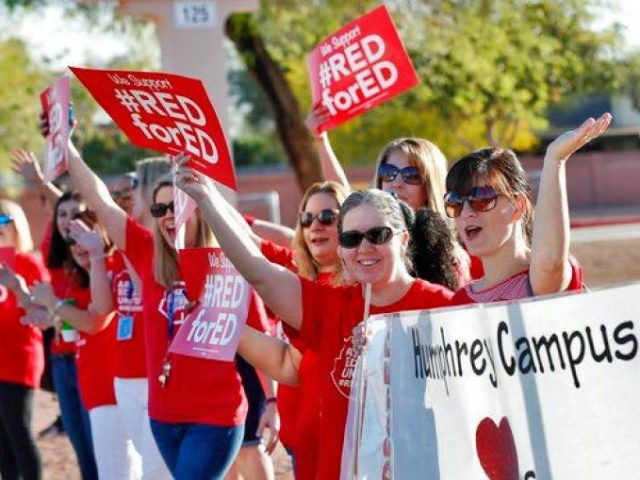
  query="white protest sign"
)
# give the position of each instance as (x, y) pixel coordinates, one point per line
(537, 389)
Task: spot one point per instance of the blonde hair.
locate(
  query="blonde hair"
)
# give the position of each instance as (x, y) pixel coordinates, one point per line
(24, 241)
(149, 171)
(430, 162)
(165, 257)
(307, 266)
(433, 166)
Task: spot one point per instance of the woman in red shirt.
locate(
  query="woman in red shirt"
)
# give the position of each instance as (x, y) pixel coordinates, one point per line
(21, 356)
(373, 240)
(95, 357)
(197, 406)
(488, 196)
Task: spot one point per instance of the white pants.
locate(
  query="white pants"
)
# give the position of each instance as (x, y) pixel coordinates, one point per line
(133, 408)
(116, 458)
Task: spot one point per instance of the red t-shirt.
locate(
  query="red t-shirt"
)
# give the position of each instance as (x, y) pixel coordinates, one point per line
(21, 354)
(513, 288)
(329, 316)
(129, 330)
(198, 390)
(95, 357)
(62, 283)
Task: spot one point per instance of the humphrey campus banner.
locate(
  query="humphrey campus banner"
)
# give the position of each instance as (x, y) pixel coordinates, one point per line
(536, 389)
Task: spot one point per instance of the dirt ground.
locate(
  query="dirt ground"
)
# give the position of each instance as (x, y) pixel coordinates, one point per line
(603, 262)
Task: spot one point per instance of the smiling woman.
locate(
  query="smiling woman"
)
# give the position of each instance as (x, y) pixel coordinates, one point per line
(489, 198)
(324, 315)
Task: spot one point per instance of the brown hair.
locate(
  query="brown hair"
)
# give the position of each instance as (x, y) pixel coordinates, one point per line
(165, 257)
(499, 168)
(430, 162)
(307, 266)
(398, 218)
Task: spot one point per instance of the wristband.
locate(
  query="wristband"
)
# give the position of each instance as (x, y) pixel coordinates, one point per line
(270, 400)
(57, 307)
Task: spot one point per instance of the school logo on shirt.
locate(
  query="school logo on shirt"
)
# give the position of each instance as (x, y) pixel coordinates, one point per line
(129, 300)
(343, 367)
(180, 302)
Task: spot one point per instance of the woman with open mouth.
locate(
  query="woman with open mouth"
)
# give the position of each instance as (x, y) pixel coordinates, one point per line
(489, 197)
(197, 406)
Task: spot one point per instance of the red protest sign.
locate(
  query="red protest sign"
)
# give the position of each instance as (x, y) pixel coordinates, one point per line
(360, 66)
(212, 330)
(164, 112)
(55, 102)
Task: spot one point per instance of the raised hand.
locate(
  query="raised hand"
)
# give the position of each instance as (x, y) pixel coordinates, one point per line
(88, 239)
(39, 317)
(42, 294)
(26, 165)
(191, 182)
(567, 143)
(316, 117)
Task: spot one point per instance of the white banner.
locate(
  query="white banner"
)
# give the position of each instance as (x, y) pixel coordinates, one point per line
(537, 389)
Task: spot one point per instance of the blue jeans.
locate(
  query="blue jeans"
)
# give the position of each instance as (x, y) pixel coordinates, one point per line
(196, 451)
(74, 416)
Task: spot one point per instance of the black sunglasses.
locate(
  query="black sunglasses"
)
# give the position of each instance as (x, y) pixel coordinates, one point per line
(410, 175)
(375, 235)
(325, 217)
(159, 210)
(480, 199)
(124, 194)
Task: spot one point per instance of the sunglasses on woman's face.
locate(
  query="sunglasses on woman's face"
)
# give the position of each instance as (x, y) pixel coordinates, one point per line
(410, 175)
(480, 199)
(325, 217)
(375, 235)
(159, 210)
(124, 194)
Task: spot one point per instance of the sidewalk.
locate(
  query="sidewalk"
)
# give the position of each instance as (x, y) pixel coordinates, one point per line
(604, 216)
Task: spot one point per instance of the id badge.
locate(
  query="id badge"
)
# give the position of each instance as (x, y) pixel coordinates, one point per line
(125, 328)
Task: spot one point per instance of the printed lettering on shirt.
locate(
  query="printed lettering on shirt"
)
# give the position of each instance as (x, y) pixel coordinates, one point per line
(343, 367)
(129, 300)
(180, 302)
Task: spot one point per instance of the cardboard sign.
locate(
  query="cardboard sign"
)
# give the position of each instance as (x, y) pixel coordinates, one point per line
(212, 330)
(55, 102)
(542, 388)
(164, 112)
(362, 65)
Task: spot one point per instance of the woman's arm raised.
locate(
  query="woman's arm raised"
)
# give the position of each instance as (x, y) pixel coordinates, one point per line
(329, 163)
(550, 271)
(97, 196)
(277, 286)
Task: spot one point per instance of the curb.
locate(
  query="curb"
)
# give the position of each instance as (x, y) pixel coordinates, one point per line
(603, 221)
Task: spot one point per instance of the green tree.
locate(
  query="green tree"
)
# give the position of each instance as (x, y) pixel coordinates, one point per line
(489, 69)
(21, 81)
